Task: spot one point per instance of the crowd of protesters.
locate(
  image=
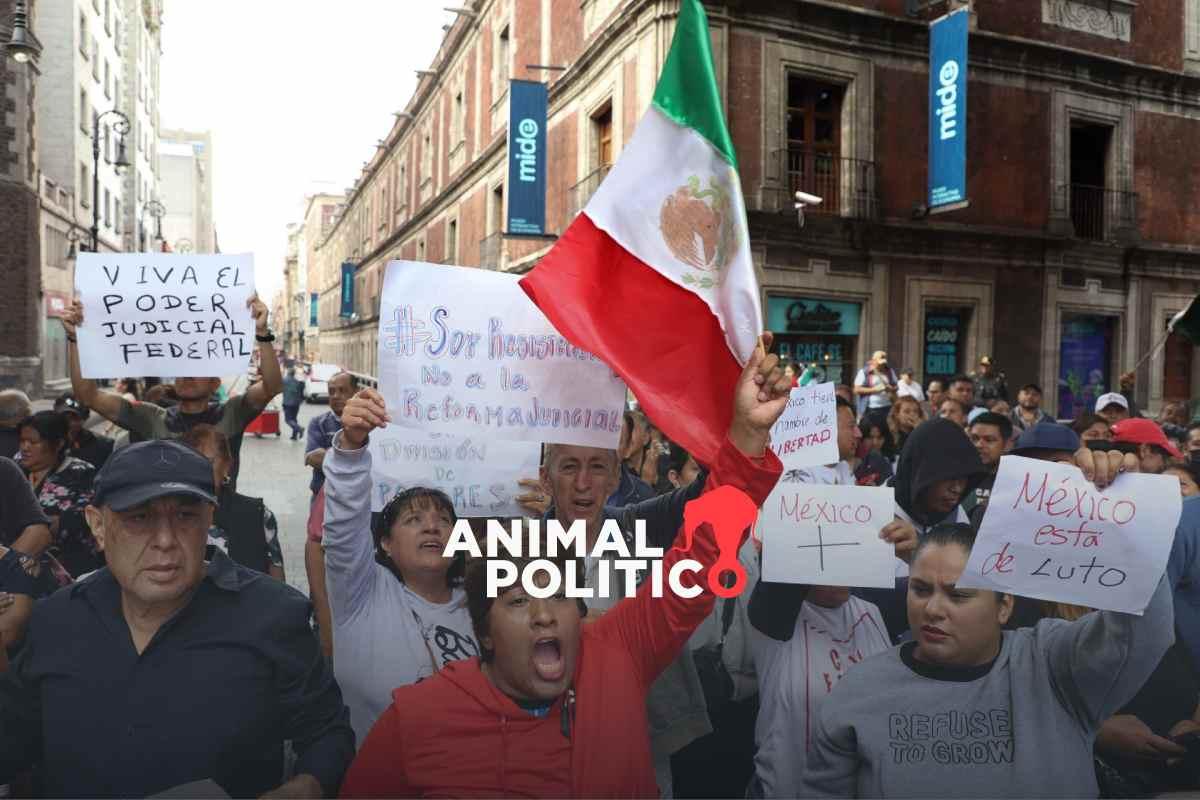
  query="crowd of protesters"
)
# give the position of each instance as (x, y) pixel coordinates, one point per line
(148, 639)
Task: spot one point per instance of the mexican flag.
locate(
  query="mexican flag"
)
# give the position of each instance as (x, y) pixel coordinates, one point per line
(1187, 322)
(655, 275)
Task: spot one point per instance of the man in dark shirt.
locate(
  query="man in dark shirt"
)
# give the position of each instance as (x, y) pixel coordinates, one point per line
(24, 536)
(14, 407)
(81, 442)
(175, 670)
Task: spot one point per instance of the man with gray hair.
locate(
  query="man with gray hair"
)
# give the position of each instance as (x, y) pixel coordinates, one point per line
(14, 407)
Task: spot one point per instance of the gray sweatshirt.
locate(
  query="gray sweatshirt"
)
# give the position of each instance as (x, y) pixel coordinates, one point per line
(384, 634)
(1023, 728)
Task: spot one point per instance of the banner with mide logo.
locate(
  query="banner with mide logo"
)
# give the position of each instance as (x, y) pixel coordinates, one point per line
(948, 112)
(527, 157)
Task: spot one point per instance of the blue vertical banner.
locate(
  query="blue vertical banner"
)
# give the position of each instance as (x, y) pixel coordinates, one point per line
(527, 158)
(313, 301)
(948, 112)
(347, 288)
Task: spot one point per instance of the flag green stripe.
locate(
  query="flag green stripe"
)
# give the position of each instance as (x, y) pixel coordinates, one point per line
(687, 89)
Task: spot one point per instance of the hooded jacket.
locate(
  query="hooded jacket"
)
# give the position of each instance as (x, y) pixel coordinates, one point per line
(936, 450)
(455, 734)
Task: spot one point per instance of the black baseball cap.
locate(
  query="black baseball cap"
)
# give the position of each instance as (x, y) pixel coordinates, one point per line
(141, 472)
(67, 404)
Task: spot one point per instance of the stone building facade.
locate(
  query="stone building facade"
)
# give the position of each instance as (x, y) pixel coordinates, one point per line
(185, 162)
(20, 245)
(1079, 243)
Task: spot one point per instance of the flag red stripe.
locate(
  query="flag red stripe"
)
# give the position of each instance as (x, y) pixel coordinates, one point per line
(663, 340)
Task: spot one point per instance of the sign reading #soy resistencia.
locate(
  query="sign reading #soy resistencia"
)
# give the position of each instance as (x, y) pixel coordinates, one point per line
(464, 351)
(164, 314)
(1050, 534)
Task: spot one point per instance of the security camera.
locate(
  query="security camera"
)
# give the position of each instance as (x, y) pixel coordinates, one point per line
(805, 199)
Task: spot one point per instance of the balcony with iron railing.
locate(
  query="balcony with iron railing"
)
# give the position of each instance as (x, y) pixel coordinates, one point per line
(583, 191)
(848, 187)
(1099, 214)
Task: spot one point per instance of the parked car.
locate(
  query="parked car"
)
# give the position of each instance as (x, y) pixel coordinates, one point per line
(316, 386)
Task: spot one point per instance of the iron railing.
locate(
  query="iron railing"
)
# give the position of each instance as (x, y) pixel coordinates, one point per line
(583, 191)
(1100, 214)
(847, 186)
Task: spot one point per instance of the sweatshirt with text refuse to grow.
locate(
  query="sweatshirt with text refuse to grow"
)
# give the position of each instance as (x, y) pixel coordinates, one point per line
(1020, 727)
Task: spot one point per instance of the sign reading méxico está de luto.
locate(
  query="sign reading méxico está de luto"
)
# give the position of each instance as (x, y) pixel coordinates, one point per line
(164, 314)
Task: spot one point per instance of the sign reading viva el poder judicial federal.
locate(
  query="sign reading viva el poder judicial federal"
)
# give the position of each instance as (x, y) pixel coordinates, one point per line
(164, 314)
(464, 351)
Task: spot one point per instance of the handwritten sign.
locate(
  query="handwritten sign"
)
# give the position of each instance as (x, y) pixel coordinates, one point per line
(1050, 534)
(164, 314)
(827, 535)
(479, 476)
(464, 351)
(806, 432)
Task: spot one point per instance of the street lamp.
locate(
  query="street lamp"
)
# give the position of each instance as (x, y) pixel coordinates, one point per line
(22, 45)
(121, 126)
(156, 210)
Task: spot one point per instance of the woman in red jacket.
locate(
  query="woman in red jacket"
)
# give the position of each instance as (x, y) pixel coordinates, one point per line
(552, 707)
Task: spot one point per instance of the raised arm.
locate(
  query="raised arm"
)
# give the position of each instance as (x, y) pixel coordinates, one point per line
(349, 548)
(107, 404)
(271, 379)
(1100, 661)
(653, 630)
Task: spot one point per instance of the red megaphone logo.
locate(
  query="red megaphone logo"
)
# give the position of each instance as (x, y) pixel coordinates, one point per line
(728, 511)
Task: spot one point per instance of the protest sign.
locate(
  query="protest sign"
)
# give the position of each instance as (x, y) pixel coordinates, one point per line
(1050, 534)
(164, 314)
(806, 433)
(464, 351)
(480, 476)
(827, 535)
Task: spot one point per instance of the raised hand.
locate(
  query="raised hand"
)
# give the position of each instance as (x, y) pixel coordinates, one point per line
(72, 318)
(258, 310)
(758, 401)
(1103, 467)
(364, 412)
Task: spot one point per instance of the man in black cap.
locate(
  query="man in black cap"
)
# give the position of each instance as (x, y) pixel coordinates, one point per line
(988, 384)
(81, 442)
(162, 669)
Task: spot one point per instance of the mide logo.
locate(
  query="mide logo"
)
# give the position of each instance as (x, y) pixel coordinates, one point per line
(727, 511)
(526, 155)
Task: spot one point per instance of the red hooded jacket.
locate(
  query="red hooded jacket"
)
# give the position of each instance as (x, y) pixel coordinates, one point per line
(456, 735)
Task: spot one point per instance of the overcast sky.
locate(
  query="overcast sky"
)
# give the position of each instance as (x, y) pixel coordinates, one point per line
(296, 93)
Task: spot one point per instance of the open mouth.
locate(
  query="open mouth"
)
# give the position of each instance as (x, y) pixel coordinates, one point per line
(433, 545)
(547, 659)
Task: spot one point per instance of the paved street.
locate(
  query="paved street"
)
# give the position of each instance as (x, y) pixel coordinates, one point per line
(273, 469)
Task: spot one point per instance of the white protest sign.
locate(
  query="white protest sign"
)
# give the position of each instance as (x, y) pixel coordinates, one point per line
(479, 476)
(164, 314)
(806, 433)
(464, 351)
(1050, 534)
(827, 535)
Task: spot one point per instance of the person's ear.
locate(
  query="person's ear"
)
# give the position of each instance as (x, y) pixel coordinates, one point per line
(95, 521)
(673, 477)
(1006, 609)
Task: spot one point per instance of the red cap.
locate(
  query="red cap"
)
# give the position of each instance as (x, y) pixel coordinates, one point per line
(1138, 430)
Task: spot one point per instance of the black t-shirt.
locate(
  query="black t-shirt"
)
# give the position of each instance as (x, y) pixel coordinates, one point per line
(10, 442)
(1169, 695)
(93, 449)
(19, 507)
